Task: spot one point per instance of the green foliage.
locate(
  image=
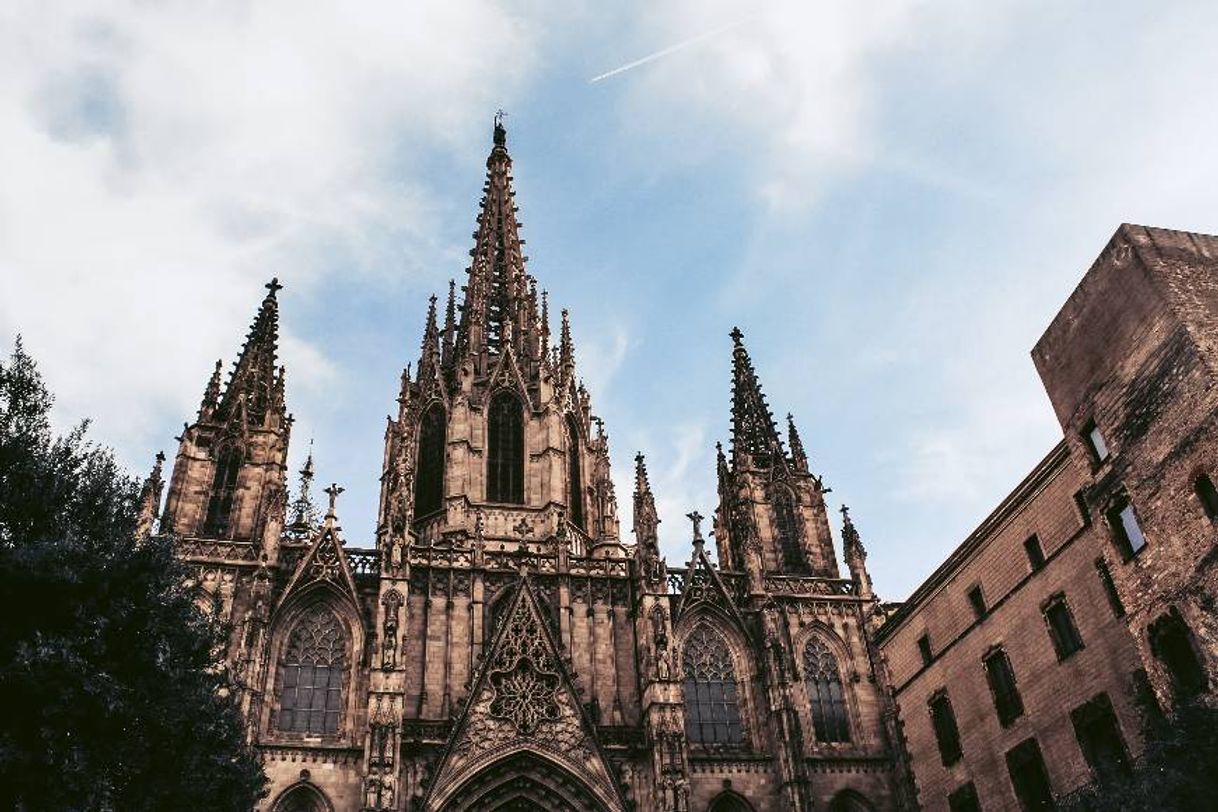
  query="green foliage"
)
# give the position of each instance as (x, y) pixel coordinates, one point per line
(113, 698)
(1177, 771)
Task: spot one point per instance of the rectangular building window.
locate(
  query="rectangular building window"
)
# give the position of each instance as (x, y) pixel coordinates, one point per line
(1207, 494)
(977, 600)
(1095, 442)
(1029, 777)
(964, 799)
(1001, 677)
(1062, 631)
(1099, 737)
(1125, 528)
(1036, 553)
(924, 649)
(947, 734)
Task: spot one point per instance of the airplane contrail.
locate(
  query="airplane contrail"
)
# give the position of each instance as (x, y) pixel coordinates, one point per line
(671, 49)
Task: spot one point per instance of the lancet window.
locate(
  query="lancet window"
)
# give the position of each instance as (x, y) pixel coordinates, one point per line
(823, 679)
(505, 450)
(575, 480)
(712, 698)
(429, 473)
(313, 670)
(787, 532)
(223, 489)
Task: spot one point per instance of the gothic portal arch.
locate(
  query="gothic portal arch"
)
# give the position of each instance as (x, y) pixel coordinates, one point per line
(729, 801)
(302, 797)
(525, 781)
(850, 801)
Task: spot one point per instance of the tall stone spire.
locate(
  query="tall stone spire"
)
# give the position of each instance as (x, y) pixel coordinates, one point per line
(646, 521)
(150, 499)
(304, 512)
(254, 384)
(753, 430)
(799, 457)
(450, 323)
(498, 309)
(855, 555)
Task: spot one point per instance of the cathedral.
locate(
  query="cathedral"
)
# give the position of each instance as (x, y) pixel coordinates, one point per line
(501, 644)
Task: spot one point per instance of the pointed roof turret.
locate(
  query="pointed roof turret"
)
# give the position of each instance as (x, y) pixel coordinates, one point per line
(798, 457)
(252, 386)
(450, 323)
(429, 354)
(304, 512)
(855, 554)
(753, 430)
(498, 309)
(150, 499)
(566, 348)
(646, 521)
(211, 395)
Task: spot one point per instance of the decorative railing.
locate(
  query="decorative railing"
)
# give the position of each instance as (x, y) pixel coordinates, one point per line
(364, 562)
(736, 584)
(214, 550)
(808, 585)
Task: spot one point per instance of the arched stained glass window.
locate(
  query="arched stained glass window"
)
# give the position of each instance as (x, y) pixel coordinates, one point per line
(823, 679)
(787, 532)
(313, 671)
(429, 473)
(574, 477)
(712, 701)
(505, 450)
(223, 489)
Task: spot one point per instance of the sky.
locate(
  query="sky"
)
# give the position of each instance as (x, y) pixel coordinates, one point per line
(891, 200)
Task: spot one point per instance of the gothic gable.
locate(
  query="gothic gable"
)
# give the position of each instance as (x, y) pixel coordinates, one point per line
(324, 564)
(523, 701)
(704, 587)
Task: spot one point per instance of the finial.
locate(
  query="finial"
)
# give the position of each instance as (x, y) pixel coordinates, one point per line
(737, 336)
(500, 130)
(333, 491)
(273, 286)
(696, 518)
(845, 514)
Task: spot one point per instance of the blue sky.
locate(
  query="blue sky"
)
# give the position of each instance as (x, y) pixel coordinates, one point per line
(891, 202)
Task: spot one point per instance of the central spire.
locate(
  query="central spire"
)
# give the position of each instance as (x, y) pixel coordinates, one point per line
(753, 430)
(500, 308)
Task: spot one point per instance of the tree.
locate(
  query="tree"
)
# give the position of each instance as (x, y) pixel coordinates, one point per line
(1176, 772)
(114, 697)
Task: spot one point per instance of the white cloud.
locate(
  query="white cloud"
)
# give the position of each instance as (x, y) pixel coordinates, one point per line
(161, 161)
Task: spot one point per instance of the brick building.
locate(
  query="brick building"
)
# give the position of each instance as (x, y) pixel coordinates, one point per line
(498, 644)
(1018, 665)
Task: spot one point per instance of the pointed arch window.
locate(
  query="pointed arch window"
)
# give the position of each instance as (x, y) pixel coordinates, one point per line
(223, 489)
(429, 472)
(712, 698)
(574, 477)
(823, 679)
(505, 450)
(313, 669)
(787, 532)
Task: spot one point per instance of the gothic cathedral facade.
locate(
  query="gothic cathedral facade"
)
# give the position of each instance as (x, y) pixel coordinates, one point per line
(502, 646)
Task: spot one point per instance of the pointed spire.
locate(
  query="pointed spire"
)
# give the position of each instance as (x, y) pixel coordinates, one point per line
(304, 512)
(430, 353)
(855, 554)
(545, 324)
(566, 348)
(450, 323)
(211, 395)
(251, 388)
(497, 308)
(798, 457)
(753, 430)
(646, 522)
(150, 499)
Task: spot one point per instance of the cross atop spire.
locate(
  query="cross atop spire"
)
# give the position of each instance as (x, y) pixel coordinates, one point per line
(753, 430)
